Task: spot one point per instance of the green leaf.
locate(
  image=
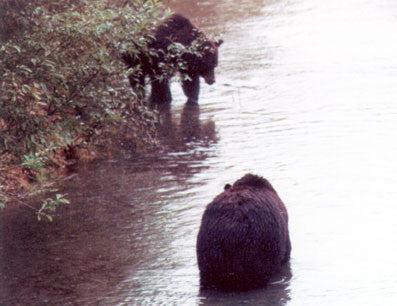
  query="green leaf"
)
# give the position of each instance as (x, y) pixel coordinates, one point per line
(17, 48)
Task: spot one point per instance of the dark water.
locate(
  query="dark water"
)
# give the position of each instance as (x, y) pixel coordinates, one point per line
(306, 95)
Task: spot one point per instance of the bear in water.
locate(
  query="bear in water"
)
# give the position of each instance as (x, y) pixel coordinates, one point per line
(199, 61)
(243, 238)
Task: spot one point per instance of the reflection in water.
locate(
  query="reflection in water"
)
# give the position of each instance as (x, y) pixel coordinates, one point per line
(121, 223)
(87, 248)
(189, 132)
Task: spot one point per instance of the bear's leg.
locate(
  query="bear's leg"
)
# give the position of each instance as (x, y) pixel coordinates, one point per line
(161, 92)
(191, 88)
(138, 85)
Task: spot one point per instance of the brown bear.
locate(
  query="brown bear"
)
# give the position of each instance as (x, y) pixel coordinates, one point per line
(243, 238)
(177, 45)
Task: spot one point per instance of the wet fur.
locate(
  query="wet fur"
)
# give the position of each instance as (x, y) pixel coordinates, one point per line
(175, 29)
(243, 238)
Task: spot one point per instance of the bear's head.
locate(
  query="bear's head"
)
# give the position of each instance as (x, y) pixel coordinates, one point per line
(209, 61)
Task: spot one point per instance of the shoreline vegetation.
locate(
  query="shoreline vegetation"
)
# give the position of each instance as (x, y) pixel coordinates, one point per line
(64, 92)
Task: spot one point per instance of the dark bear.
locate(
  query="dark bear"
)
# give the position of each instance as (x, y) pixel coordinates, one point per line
(243, 239)
(197, 58)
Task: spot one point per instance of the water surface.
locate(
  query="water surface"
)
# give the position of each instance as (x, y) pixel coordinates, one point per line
(305, 96)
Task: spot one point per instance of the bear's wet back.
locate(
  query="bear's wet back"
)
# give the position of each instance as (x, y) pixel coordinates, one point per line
(243, 238)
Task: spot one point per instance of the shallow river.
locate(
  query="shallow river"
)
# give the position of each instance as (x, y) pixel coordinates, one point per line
(306, 95)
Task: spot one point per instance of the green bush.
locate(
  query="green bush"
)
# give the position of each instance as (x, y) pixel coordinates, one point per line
(62, 83)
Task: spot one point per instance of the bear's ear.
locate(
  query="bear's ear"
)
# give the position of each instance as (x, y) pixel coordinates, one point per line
(218, 42)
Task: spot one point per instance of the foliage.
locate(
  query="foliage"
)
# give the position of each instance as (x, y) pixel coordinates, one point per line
(62, 84)
(49, 205)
